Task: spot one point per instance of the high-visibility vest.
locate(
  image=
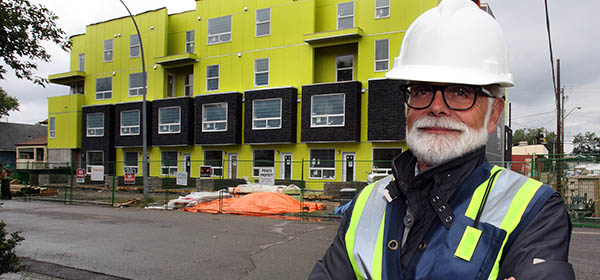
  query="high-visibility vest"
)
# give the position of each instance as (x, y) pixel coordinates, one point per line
(460, 252)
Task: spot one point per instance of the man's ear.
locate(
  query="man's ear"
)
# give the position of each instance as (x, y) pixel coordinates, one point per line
(497, 109)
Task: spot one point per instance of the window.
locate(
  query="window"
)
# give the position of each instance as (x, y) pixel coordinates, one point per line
(169, 120)
(322, 164)
(215, 160)
(81, 62)
(327, 110)
(77, 87)
(212, 77)
(94, 158)
(214, 117)
(52, 127)
(130, 163)
(266, 114)
(108, 50)
(382, 8)
(188, 85)
(345, 15)
(136, 84)
(219, 30)
(345, 68)
(261, 72)
(95, 125)
(382, 55)
(134, 46)
(190, 38)
(130, 122)
(168, 164)
(262, 159)
(382, 159)
(263, 22)
(104, 88)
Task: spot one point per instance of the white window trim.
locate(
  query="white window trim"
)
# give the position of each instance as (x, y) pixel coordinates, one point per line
(81, 66)
(328, 115)
(266, 119)
(52, 132)
(129, 126)
(192, 43)
(218, 35)
(343, 17)
(87, 160)
(134, 46)
(215, 122)
(387, 60)
(310, 168)
(169, 124)
(170, 166)
(213, 167)
(254, 160)
(190, 84)
(383, 7)
(136, 167)
(137, 89)
(262, 22)
(262, 72)
(112, 54)
(105, 92)
(378, 170)
(88, 128)
(346, 68)
(213, 78)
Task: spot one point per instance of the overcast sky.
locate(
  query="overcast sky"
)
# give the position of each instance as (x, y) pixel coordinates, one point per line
(575, 39)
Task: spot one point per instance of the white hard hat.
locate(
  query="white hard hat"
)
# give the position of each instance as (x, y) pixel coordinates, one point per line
(455, 42)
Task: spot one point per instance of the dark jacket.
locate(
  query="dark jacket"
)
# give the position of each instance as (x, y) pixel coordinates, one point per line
(545, 237)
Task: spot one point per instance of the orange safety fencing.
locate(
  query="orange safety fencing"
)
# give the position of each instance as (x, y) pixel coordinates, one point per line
(256, 204)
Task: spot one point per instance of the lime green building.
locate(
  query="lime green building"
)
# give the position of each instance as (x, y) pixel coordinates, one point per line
(296, 86)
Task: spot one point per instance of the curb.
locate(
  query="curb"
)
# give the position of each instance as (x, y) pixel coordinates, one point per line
(64, 272)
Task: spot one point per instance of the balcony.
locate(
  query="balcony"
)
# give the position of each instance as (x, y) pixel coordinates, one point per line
(177, 60)
(67, 78)
(334, 37)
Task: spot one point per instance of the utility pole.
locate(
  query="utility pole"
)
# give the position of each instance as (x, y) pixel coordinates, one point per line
(558, 129)
(562, 122)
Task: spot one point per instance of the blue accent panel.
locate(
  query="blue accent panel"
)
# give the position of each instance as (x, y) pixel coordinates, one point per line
(394, 229)
(538, 201)
(465, 191)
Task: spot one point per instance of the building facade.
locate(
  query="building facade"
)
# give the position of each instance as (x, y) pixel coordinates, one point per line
(293, 85)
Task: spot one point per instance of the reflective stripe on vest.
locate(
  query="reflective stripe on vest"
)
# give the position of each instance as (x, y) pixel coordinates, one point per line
(366, 251)
(507, 201)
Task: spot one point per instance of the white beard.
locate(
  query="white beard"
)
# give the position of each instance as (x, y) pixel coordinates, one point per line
(434, 149)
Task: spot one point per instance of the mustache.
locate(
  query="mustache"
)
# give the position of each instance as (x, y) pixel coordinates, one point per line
(441, 122)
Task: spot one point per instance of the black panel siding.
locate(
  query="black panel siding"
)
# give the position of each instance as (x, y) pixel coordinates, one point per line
(387, 121)
(350, 132)
(104, 143)
(186, 134)
(287, 132)
(233, 135)
(132, 140)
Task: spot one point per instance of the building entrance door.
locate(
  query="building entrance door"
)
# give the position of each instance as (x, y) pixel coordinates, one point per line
(286, 167)
(232, 165)
(348, 167)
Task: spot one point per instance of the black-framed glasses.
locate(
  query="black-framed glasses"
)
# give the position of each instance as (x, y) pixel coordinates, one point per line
(456, 97)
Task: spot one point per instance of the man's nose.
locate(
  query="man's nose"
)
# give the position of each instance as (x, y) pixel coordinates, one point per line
(438, 106)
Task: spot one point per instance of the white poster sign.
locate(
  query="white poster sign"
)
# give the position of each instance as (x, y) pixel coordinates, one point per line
(97, 173)
(266, 176)
(182, 178)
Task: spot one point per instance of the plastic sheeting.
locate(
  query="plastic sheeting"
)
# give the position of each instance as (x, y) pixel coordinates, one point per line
(256, 204)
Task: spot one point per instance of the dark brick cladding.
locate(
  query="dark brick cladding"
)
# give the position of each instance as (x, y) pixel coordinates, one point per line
(350, 132)
(386, 111)
(186, 134)
(132, 140)
(287, 132)
(104, 143)
(233, 135)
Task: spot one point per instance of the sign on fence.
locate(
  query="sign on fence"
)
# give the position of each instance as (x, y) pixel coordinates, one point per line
(97, 173)
(129, 179)
(80, 175)
(266, 176)
(182, 178)
(205, 171)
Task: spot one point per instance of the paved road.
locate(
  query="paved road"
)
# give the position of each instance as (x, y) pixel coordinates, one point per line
(153, 244)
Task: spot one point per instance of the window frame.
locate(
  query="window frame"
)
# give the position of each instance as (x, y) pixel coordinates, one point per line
(108, 51)
(254, 119)
(190, 45)
(134, 46)
(188, 84)
(375, 169)
(213, 78)
(137, 89)
(81, 62)
(129, 126)
(135, 167)
(105, 92)
(256, 169)
(96, 129)
(262, 72)
(343, 115)
(214, 167)
(387, 60)
(267, 22)
(168, 125)
(383, 7)
(337, 70)
(52, 127)
(344, 17)
(312, 168)
(218, 35)
(169, 167)
(87, 160)
(215, 122)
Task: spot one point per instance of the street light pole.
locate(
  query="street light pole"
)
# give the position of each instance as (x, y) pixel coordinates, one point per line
(144, 125)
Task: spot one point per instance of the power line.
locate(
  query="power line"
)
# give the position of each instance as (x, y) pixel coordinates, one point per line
(539, 114)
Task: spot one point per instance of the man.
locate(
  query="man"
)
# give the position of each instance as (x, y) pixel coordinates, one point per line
(5, 182)
(446, 213)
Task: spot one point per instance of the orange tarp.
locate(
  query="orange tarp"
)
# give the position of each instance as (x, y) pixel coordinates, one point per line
(256, 204)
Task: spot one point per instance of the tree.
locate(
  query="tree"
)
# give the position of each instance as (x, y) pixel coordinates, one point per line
(9, 262)
(23, 28)
(530, 135)
(587, 143)
(7, 103)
